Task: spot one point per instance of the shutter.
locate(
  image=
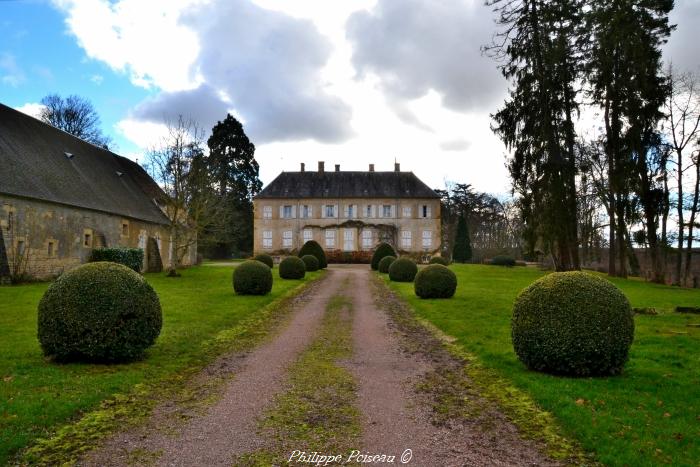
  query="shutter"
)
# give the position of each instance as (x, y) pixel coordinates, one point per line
(374, 210)
(380, 211)
(311, 211)
(428, 212)
(281, 212)
(354, 211)
(337, 212)
(294, 212)
(323, 211)
(346, 213)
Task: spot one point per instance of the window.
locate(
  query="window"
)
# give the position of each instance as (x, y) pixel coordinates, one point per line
(308, 235)
(287, 212)
(10, 221)
(330, 238)
(406, 239)
(386, 210)
(87, 240)
(306, 211)
(351, 211)
(267, 212)
(368, 211)
(20, 247)
(425, 211)
(267, 239)
(367, 239)
(427, 238)
(407, 211)
(330, 210)
(287, 239)
(349, 240)
(50, 250)
(125, 229)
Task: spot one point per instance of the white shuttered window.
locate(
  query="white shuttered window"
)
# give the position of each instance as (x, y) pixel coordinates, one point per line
(287, 239)
(330, 238)
(406, 239)
(267, 238)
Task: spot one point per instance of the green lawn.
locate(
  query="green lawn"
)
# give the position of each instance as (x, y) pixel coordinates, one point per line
(37, 396)
(649, 415)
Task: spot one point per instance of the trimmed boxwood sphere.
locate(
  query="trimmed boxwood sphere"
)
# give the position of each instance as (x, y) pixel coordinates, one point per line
(292, 267)
(403, 270)
(572, 323)
(311, 262)
(385, 262)
(99, 311)
(313, 248)
(252, 278)
(265, 259)
(439, 260)
(435, 281)
(382, 250)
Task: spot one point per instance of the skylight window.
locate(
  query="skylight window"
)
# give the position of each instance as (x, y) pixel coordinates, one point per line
(69, 155)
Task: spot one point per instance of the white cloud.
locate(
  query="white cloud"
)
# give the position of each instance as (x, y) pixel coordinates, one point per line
(11, 73)
(97, 79)
(144, 39)
(33, 109)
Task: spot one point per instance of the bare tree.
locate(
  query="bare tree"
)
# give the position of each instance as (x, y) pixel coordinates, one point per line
(683, 109)
(75, 115)
(177, 164)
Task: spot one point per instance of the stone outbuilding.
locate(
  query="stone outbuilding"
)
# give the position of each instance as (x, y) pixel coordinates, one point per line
(60, 197)
(348, 213)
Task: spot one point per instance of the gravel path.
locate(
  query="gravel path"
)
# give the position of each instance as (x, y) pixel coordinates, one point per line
(395, 417)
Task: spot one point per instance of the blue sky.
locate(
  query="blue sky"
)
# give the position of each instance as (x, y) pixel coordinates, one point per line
(48, 59)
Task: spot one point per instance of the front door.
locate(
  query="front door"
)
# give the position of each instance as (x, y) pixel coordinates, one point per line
(349, 240)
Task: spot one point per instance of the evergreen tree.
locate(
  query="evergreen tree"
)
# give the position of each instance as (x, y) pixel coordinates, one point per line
(538, 46)
(235, 173)
(624, 68)
(463, 249)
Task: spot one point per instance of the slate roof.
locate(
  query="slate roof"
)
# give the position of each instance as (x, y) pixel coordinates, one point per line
(347, 185)
(33, 164)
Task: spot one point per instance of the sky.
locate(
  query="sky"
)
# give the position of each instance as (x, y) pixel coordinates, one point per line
(348, 82)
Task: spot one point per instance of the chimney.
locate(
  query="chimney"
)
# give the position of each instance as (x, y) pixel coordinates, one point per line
(337, 167)
(371, 167)
(303, 167)
(397, 167)
(320, 166)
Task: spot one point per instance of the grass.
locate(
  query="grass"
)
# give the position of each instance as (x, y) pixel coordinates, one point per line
(37, 397)
(649, 415)
(317, 411)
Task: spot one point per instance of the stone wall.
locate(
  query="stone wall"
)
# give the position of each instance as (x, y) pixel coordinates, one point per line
(407, 215)
(46, 239)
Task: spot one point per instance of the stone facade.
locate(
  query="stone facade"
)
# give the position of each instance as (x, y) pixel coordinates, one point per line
(44, 239)
(347, 224)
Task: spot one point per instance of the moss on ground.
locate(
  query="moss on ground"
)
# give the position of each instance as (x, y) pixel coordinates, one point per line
(317, 412)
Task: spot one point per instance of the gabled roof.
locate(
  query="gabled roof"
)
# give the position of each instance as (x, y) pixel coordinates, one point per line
(347, 185)
(41, 162)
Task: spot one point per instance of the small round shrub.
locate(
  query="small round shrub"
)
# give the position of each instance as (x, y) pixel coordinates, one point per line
(503, 260)
(435, 281)
(311, 262)
(403, 270)
(99, 311)
(265, 259)
(384, 264)
(439, 260)
(292, 267)
(382, 250)
(313, 248)
(572, 323)
(252, 278)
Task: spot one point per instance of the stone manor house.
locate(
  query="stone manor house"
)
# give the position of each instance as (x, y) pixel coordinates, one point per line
(60, 197)
(347, 212)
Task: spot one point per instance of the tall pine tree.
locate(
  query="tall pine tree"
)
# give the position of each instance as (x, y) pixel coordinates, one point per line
(235, 172)
(538, 46)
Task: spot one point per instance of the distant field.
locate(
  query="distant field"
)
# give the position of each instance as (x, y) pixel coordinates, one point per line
(37, 396)
(649, 415)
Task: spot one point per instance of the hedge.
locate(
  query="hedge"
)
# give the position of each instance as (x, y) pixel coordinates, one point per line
(382, 250)
(292, 267)
(311, 262)
(252, 277)
(265, 259)
(403, 270)
(435, 281)
(313, 248)
(129, 257)
(384, 264)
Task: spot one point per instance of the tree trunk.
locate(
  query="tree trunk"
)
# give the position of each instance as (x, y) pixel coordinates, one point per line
(691, 226)
(681, 226)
